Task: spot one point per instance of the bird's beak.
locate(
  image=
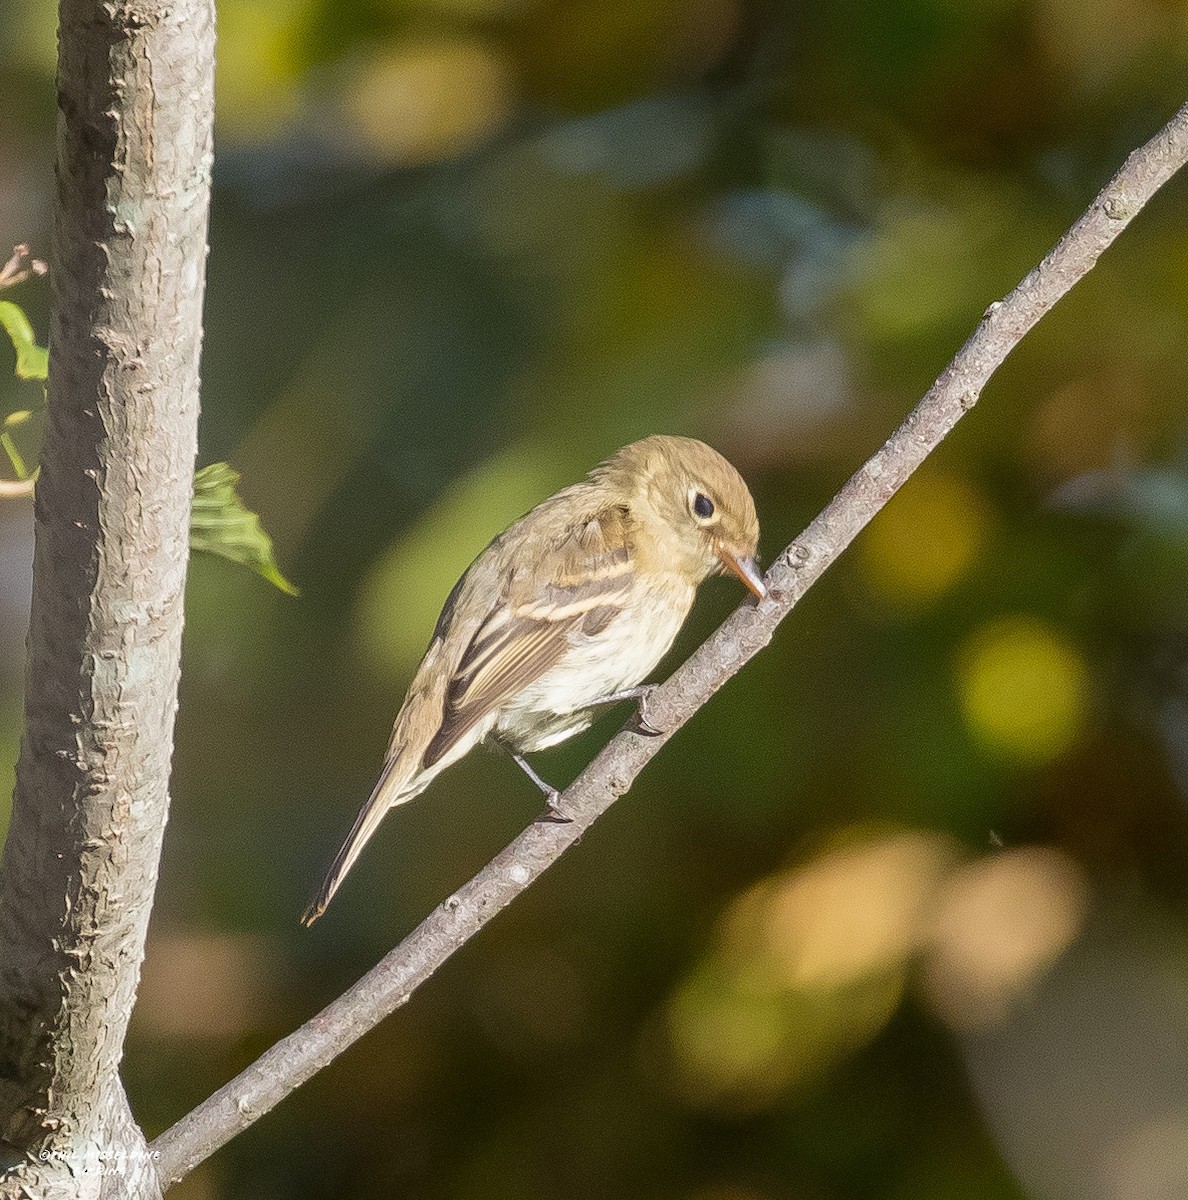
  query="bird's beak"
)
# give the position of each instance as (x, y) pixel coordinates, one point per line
(747, 569)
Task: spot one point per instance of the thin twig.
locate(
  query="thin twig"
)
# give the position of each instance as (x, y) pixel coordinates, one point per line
(11, 489)
(20, 266)
(387, 986)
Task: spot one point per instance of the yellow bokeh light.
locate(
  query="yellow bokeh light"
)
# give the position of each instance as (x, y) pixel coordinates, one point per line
(737, 1046)
(998, 925)
(1024, 689)
(926, 540)
(808, 965)
(259, 68)
(729, 1042)
(430, 99)
(853, 912)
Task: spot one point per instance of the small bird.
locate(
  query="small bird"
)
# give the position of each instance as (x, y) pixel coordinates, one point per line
(568, 609)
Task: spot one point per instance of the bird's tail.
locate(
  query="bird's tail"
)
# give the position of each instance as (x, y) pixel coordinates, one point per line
(386, 793)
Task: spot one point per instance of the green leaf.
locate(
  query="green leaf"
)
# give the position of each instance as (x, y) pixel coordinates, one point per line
(14, 455)
(32, 360)
(220, 524)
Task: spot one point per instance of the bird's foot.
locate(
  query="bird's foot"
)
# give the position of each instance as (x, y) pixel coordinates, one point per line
(643, 725)
(640, 693)
(635, 693)
(553, 810)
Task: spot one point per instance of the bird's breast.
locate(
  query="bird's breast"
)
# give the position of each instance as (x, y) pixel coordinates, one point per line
(616, 658)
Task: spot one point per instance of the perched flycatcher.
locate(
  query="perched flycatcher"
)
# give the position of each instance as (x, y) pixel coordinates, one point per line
(569, 608)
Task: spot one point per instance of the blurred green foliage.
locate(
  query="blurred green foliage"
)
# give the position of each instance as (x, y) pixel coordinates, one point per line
(905, 913)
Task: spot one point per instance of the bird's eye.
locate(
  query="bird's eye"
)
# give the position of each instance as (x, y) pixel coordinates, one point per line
(703, 506)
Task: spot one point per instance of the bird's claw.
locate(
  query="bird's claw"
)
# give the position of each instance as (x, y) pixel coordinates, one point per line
(553, 812)
(639, 694)
(642, 724)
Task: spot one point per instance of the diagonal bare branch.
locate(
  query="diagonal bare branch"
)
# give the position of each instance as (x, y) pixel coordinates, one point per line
(387, 986)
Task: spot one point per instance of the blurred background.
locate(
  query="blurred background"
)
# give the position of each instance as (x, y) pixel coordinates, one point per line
(904, 914)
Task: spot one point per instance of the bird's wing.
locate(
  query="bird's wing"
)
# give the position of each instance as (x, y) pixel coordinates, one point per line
(578, 588)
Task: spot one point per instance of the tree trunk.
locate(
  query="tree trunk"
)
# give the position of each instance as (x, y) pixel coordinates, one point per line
(112, 515)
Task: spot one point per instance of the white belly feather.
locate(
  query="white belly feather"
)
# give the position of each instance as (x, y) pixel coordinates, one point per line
(621, 656)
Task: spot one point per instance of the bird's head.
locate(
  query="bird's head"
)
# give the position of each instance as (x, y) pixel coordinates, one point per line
(695, 504)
